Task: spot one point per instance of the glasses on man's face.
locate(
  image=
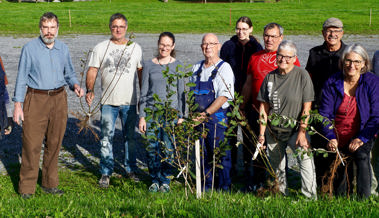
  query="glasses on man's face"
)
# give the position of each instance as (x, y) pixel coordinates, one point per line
(118, 27)
(49, 27)
(209, 45)
(266, 36)
(330, 32)
(355, 62)
(286, 58)
(241, 30)
(164, 46)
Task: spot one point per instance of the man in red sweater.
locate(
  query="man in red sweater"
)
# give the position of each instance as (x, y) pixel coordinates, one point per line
(260, 64)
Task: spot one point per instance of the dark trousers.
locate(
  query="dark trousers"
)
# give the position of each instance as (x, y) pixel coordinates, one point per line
(258, 175)
(322, 163)
(45, 117)
(344, 177)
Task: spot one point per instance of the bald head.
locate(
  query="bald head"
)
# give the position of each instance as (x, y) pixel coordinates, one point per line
(210, 36)
(210, 46)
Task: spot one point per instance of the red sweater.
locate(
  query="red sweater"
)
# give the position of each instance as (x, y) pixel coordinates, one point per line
(260, 64)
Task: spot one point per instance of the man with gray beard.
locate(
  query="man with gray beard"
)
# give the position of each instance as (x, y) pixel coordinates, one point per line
(45, 68)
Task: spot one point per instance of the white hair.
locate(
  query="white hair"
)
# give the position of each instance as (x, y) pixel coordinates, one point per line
(288, 45)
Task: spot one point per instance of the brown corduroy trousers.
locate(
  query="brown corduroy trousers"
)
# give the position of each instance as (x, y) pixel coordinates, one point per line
(45, 117)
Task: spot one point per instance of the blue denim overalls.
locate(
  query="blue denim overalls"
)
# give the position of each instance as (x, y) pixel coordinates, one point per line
(204, 94)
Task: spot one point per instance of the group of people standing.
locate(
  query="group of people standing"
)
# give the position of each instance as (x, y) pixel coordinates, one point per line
(339, 84)
(270, 80)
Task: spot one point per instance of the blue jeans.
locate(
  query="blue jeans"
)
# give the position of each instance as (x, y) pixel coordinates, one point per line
(128, 118)
(156, 151)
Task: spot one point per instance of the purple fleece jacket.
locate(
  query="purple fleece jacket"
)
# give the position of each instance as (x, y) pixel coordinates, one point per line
(367, 96)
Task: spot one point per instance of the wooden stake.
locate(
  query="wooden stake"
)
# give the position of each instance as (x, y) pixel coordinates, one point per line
(69, 16)
(230, 16)
(198, 169)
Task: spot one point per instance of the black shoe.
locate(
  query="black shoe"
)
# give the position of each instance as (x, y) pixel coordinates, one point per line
(26, 196)
(132, 176)
(53, 191)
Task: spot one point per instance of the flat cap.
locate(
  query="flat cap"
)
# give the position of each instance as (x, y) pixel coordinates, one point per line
(332, 22)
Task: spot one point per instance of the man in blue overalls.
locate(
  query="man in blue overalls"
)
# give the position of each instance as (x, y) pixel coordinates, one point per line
(214, 81)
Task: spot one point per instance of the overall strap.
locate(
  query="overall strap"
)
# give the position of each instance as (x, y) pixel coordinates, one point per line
(200, 69)
(214, 72)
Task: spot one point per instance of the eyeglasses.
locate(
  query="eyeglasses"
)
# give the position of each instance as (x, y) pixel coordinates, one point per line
(287, 58)
(210, 45)
(355, 62)
(270, 36)
(118, 27)
(49, 27)
(164, 46)
(241, 29)
(333, 31)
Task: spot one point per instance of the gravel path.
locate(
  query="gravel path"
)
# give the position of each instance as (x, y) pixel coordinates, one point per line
(81, 150)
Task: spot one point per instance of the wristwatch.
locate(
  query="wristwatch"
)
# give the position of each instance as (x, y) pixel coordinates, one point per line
(89, 90)
(207, 114)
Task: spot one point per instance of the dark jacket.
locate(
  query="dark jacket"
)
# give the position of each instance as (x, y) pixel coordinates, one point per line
(4, 99)
(375, 63)
(367, 96)
(238, 56)
(321, 65)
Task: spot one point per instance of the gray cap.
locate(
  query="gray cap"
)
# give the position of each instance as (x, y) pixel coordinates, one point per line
(332, 22)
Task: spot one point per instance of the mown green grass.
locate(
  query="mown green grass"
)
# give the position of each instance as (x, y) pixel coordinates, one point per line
(83, 198)
(153, 16)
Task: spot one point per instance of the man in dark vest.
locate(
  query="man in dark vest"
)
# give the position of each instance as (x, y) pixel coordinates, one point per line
(322, 63)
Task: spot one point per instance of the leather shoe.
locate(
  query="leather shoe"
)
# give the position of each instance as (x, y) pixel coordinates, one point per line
(53, 191)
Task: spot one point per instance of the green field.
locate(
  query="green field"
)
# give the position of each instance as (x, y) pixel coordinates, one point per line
(83, 198)
(153, 16)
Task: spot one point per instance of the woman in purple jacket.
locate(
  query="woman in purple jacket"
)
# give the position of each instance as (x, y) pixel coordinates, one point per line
(351, 99)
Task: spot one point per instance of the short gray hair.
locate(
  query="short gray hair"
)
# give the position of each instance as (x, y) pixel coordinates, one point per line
(359, 50)
(48, 16)
(272, 26)
(288, 45)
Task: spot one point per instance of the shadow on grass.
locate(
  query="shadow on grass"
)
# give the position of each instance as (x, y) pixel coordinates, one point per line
(80, 151)
(85, 149)
(80, 146)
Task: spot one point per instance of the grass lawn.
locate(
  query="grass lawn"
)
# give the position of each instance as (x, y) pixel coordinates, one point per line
(83, 198)
(153, 16)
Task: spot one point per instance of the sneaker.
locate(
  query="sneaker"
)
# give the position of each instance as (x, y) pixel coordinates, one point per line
(154, 187)
(104, 181)
(165, 188)
(26, 196)
(132, 176)
(53, 191)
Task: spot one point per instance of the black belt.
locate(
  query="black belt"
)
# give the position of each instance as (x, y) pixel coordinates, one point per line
(50, 92)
